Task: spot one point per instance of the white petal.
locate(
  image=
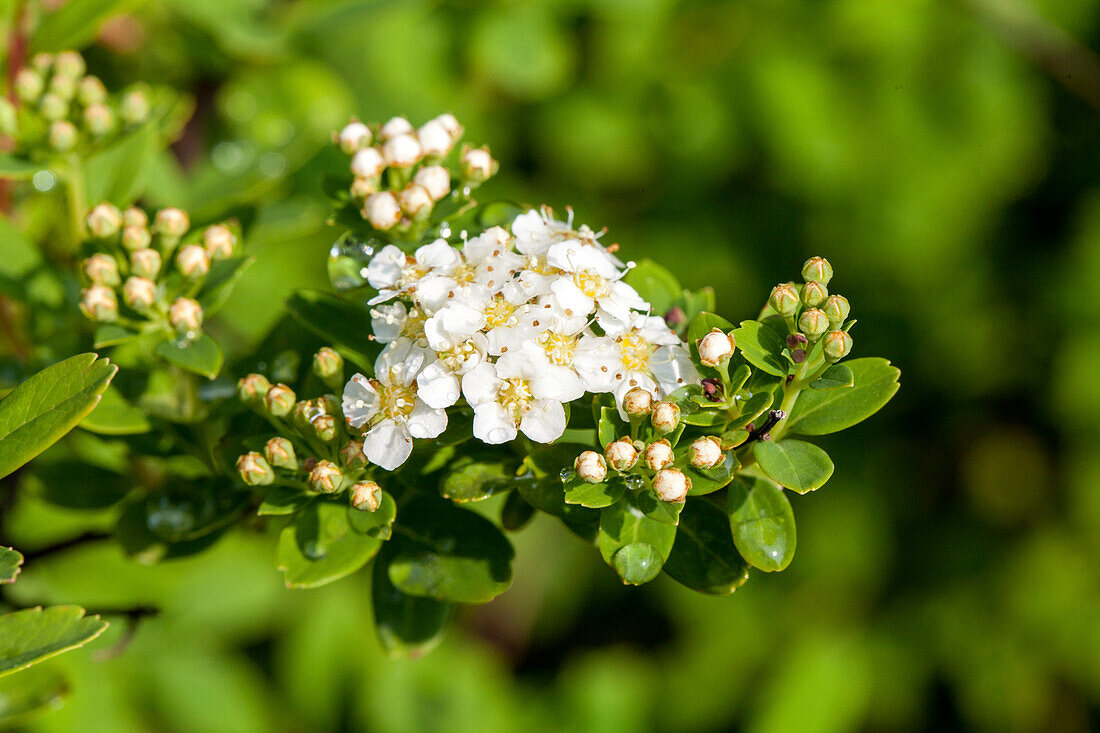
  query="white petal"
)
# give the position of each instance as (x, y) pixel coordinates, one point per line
(387, 321)
(557, 383)
(399, 363)
(572, 256)
(385, 267)
(361, 402)
(544, 422)
(572, 299)
(629, 297)
(461, 319)
(438, 256)
(596, 360)
(480, 384)
(492, 424)
(438, 386)
(387, 445)
(433, 291)
(426, 422)
(673, 368)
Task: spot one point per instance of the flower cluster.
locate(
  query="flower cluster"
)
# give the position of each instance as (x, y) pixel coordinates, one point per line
(62, 108)
(131, 260)
(518, 323)
(812, 314)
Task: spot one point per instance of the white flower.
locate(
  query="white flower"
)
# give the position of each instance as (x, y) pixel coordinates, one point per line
(413, 198)
(367, 163)
(394, 127)
(515, 394)
(450, 124)
(436, 179)
(391, 406)
(354, 136)
(589, 290)
(401, 151)
(434, 138)
(391, 271)
(382, 210)
(482, 269)
(390, 321)
(536, 230)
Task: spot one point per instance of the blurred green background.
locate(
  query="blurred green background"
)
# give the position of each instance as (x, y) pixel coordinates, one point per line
(943, 156)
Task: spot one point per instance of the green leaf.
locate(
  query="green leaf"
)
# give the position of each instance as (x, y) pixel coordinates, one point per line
(115, 416)
(471, 478)
(281, 501)
(21, 254)
(545, 494)
(610, 426)
(31, 635)
(202, 356)
(821, 412)
(10, 564)
(709, 480)
(110, 334)
(341, 323)
(320, 546)
(796, 464)
(762, 347)
(516, 512)
(838, 375)
(752, 408)
(703, 324)
(408, 626)
(74, 25)
(31, 692)
(219, 284)
(703, 556)
(39, 411)
(15, 168)
(632, 543)
(119, 172)
(762, 523)
(450, 554)
(78, 485)
(594, 496)
(655, 284)
(378, 523)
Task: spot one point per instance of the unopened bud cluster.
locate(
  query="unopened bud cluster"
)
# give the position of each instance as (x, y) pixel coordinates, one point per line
(61, 108)
(814, 312)
(150, 271)
(400, 172)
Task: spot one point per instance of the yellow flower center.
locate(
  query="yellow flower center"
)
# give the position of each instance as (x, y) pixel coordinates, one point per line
(591, 284)
(411, 272)
(498, 313)
(540, 266)
(635, 351)
(414, 323)
(559, 347)
(397, 401)
(515, 396)
(457, 357)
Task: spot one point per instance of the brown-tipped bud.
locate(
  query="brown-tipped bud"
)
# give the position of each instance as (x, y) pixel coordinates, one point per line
(716, 348)
(366, 496)
(797, 341)
(135, 217)
(279, 452)
(355, 136)
(135, 238)
(352, 454)
(91, 91)
(837, 345)
(621, 454)
(401, 151)
(328, 365)
(671, 485)
(303, 413)
(63, 136)
(145, 263)
(784, 299)
(382, 210)
(665, 417)
(477, 165)
(328, 404)
(254, 470)
(193, 262)
(53, 107)
(280, 400)
(817, 270)
(325, 427)
(814, 294)
(435, 179)
(434, 139)
(813, 323)
(172, 223)
(251, 388)
(590, 467)
(63, 86)
(837, 309)
(450, 124)
(706, 452)
(219, 241)
(42, 62)
(395, 126)
(104, 221)
(102, 269)
(69, 63)
(29, 85)
(713, 389)
(185, 315)
(139, 293)
(368, 163)
(100, 304)
(638, 402)
(361, 188)
(414, 199)
(135, 107)
(99, 119)
(326, 478)
(658, 454)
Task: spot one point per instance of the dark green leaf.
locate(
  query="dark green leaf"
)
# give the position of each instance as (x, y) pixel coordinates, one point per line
(110, 334)
(29, 636)
(378, 523)
(342, 323)
(648, 504)
(32, 692)
(655, 284)
(706, 418)
(320, 546)
(516, 512)
(752, 408)
(134, 532)
(115, 416)
(632, 543)
(15, 168)
(838, 375)
(762, 347)
(202, 356)
(610, 426)
(709, 480)
(76, 485)
(219, 284)
(703, 556)
(762, 523)
(282, 501)
(796, 464)
(546, 495)
(10, 564)
(821, 412)
(408, 626)
(42, 409)
(473, 479)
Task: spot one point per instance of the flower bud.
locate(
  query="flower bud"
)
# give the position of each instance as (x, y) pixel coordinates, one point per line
(104, 221)
(658, 454)
(139, 293)
(134, 217)
(352, 454)
(367, 163)
(134, 108)
(401, 151)
(621, 454)
(326, 478)
(219, 241)
(145, 262)
(382, 210)
(325, 427)
(706, 452)
(414, 199)
(450, 124)
(713, 389)
(29, 85)
(102, 269)
(435, 179)
(193, 262)
(279, 452)
(366, 496)
(665, 417)
(837, 310)
(185, 315)
(784, 299)
(813, 322)
(716, 348)
(327, 364)
(361, 188)
(42, 62)
(817, 270)
(355, 136)
(53, 106)
(477, 165)
(91, 91)
(638, 402)
(328, 404)
(9, 120)
(394, 127)
(280, 400)
(136, 238)
(671, 485)
(63, 86)
(99, 119)
(837, 345)
(252, 388)
(303, 413)
(99, 303)
(172, 222)
(63, 136)
(814, 294)
(254, 470)
(434, 138)
(69, 63)
(590, 467)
